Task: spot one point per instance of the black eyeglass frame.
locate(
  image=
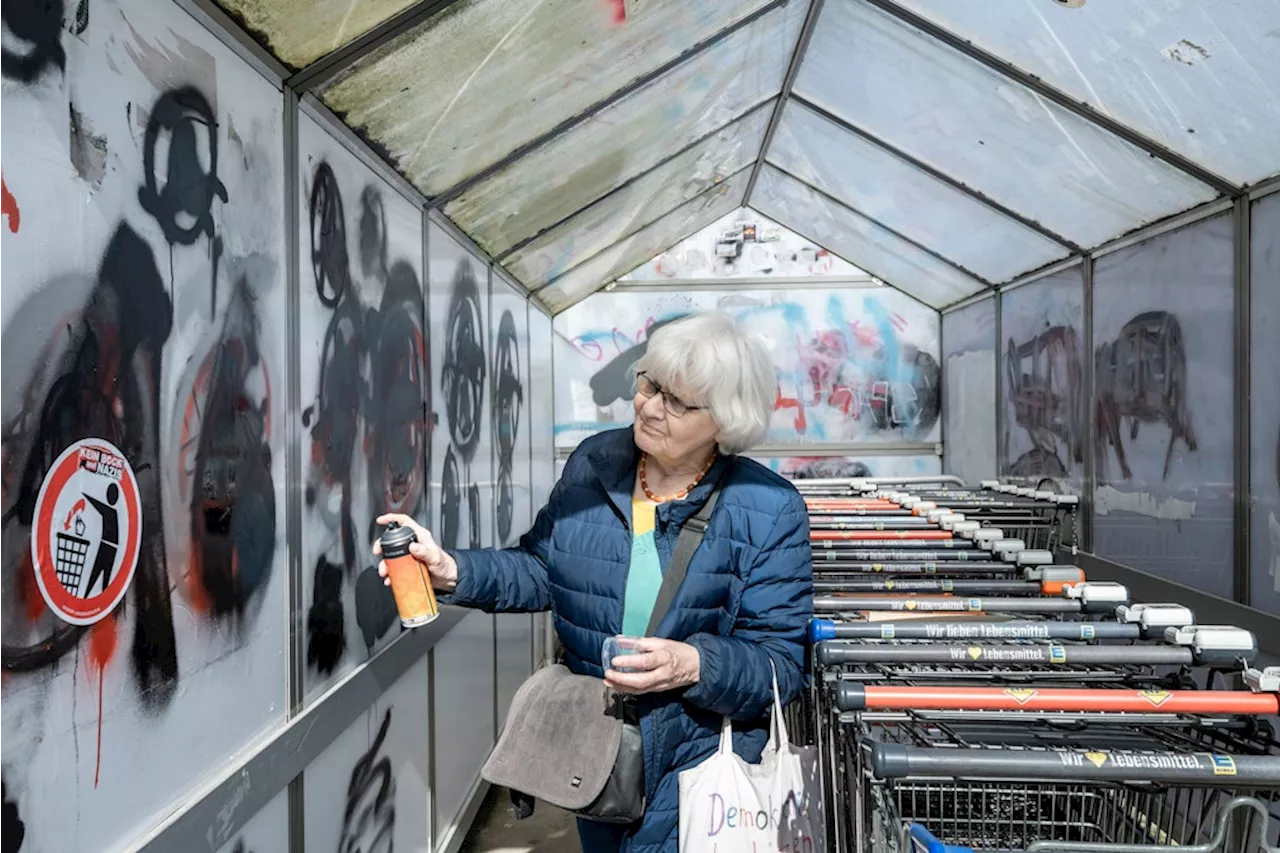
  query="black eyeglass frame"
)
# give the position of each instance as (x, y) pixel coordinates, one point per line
(675, 407)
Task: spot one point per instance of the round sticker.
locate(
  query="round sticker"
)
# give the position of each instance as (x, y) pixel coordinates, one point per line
(87, 531)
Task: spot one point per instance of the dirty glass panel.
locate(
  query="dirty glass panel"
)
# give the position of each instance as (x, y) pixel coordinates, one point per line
(648, 198)
(626, 255)
(985, 130)
(1264, 590)
(299, 32)
(1162, 338)
(859, 240)
(969, 398)
(638, 132)
(906, 199)
(1199, 78)
(1042, 358)
(476, 81)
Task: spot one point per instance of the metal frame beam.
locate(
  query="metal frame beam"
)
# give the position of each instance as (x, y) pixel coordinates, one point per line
(573, 121)
(904, 238)
(1242, 451)
(315, 109)
(1057, 96)
(788, 83)
(329, 66)
(937, 174)
(1090, 423)
(998, 353)
(633, 232)
(803, 233)
(533, 238)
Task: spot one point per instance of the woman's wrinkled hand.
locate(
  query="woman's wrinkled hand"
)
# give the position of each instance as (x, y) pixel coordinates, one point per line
(442, 568)
(657, 665)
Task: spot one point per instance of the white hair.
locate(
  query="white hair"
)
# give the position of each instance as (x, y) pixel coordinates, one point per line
(710, 361)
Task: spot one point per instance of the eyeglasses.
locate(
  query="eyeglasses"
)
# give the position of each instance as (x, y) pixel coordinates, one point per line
(674, 405)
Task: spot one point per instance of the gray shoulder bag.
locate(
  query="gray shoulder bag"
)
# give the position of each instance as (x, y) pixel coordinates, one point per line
(571, 741)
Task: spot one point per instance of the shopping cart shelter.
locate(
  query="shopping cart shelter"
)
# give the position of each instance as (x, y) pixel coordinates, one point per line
(273, 268)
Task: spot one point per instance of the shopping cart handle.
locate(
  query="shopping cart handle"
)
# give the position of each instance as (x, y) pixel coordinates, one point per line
(924, 841)
(821, 629)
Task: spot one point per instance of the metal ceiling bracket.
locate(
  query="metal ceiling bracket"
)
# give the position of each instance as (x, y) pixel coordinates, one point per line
(601, 105)
(329, 66)
(1057, 96)
(937, 174)
(930, 252)
(502, 256)
(788, 83)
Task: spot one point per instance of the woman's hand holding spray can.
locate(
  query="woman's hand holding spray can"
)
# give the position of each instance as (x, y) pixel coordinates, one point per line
(413, 565)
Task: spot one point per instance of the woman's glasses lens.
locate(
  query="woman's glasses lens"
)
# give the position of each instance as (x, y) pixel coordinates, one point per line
(647, 388)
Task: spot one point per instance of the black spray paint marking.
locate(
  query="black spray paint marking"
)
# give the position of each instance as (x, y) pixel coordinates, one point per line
(88, 150)
(36, 46)
(13, 830)
(375, 607)
(613, 381)
(508, 398)
(189, 185)
(233, 506)
(450, 500)
(462, 374)
(326, 629)
(1044, 385)
(369, 819)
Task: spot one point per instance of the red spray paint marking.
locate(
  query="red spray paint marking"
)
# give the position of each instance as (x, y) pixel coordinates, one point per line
(9, 207)
(32, 601)
(619, 9)
(781, 402)
(102, 645)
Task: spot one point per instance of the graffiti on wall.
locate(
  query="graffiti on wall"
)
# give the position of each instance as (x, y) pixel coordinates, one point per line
(508, 400)
(369, 816)
(369, 422)
(1141, 378)
(743, 244)
(848, 367)
(142, 301)
(462, 379)
(1044, 389)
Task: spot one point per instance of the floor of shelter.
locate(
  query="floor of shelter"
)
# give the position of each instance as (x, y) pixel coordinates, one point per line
(496, 830)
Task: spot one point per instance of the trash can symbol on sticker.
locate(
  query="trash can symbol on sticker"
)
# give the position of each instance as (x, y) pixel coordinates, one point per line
(87, 531)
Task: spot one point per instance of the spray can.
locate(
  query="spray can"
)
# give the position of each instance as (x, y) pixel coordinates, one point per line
(410, 583)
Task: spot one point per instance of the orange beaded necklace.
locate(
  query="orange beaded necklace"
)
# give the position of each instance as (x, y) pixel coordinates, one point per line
(660, 499)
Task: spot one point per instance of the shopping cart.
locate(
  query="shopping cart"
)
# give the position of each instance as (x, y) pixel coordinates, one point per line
(1102, 786)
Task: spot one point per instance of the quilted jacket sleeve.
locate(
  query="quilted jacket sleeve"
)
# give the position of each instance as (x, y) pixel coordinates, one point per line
(736, 680)
(509, 580)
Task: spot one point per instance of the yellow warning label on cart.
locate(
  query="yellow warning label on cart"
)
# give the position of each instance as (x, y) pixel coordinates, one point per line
(930, 568)
(1223, 765)
(1057, 654)
(910, 605)
(1087, 632)
(975, 604)
(887, 632)
(1021, 695)
(877, 567)
(889, 584)
(948, 586)
(1097, 759)
(902, 534)
(1155, 697)
(879, 525)
(975, 652)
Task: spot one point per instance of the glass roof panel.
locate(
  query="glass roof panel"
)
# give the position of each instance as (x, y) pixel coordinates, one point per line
(1192, 76)
(985, 130)
(859, 240)
(627, 254)
(641, 202)
(704, 93)
(476, 81)
(299, 32)
(908, 200)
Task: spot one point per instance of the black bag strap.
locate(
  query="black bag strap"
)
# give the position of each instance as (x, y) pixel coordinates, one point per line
(686, 544)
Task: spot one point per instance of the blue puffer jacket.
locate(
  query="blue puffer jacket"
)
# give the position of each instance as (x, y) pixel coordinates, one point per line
(745, 602)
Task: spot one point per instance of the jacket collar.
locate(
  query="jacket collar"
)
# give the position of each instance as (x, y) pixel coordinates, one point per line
(615, 460)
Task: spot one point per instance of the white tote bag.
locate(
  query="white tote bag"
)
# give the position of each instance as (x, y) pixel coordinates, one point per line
(730, 806)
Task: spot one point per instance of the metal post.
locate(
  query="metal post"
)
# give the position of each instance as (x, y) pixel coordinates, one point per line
(999, 384)
(1090, 427)
(1243, 378)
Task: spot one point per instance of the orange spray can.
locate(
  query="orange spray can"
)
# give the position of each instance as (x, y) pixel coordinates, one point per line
(410, 583)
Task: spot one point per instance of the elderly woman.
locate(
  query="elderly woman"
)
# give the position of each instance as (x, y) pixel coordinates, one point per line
(598, 549)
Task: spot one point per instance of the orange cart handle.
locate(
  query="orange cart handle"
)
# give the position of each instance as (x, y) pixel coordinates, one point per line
(851, 696)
